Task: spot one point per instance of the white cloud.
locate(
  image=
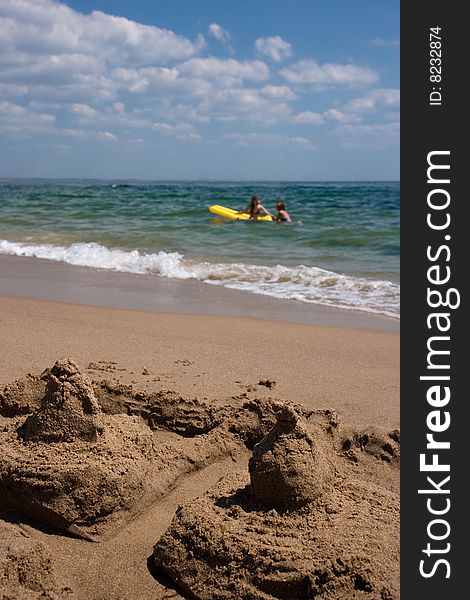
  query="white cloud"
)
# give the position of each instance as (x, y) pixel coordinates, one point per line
(308, 117)
(274, 47)
(381, 43)
(263, 139)
(17, 120)
(371, 129)
(83, 66)
(108, 136)
(10, 109)
(239, 100)
(300, 140)
(182, 131)
(155, 83)
(107, 78)
(355, 110)
(47, 27)
(309, 71)
(12, 90)
(219, 33)
(281, 92)
(129, 41)
(381, 97)
(246, 104)
(372, 136)
(86, 134)
(190, 113)
(83, 110)
(219, 67)
(48, 48)
(332, 114)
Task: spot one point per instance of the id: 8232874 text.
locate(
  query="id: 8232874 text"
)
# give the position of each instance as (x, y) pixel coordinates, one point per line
(435, 66)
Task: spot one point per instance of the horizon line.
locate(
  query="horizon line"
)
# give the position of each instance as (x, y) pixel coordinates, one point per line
(206, 180)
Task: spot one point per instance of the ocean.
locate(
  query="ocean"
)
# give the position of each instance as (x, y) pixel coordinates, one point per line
(341, 249)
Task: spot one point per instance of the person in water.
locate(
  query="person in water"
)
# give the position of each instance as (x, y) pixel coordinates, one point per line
(255, 208)
(282, 215)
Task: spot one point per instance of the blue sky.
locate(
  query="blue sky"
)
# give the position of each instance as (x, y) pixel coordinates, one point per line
(200, 89)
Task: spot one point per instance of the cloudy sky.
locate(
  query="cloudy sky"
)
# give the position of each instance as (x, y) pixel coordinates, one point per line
(200, 89)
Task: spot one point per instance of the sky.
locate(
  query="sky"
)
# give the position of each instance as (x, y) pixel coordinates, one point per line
(282, 90)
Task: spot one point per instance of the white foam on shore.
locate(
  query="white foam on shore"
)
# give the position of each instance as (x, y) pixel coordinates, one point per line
(302, 283)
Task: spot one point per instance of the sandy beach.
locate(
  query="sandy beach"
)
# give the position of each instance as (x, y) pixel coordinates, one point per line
(217, 346)
(346, 360)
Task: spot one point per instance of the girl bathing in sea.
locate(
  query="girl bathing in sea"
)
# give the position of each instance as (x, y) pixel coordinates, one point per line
(255, 208)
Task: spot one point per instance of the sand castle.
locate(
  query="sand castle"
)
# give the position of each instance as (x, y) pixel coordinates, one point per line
(69, 410)
(298, 528)
(289, 467)
(311, 513)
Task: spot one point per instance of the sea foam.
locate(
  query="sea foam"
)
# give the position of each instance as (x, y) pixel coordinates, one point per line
(303, 283)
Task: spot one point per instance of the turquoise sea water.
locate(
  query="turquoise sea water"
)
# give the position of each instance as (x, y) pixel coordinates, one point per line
(342, 248)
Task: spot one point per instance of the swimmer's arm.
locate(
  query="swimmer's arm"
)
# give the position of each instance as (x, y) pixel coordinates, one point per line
(265, 211)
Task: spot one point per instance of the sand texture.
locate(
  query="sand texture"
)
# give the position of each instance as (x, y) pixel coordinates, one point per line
(300, 517)
(26, 568)
(148, 456)
(303, 525)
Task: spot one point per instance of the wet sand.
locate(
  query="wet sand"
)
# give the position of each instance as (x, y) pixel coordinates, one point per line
(48, 280)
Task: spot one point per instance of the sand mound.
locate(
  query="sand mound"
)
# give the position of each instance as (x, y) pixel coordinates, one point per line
(289, 467)
(73, 468)
(315, 514)
(303, 525)
(68, 410)
(76, 486)
(372, 440)
(27, 571)
(163, 410)
(22, 397)
(252, 421)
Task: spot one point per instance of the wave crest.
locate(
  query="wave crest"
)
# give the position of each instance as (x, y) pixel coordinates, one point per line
(302, 283)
